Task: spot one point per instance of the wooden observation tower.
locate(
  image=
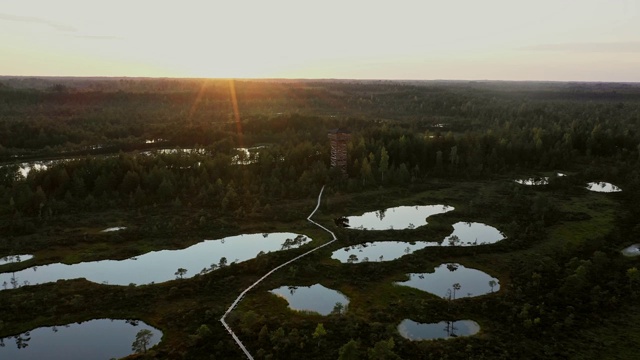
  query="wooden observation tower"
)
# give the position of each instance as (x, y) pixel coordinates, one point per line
(339, 139)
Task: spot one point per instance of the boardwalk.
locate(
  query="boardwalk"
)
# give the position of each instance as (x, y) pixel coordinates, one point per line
(242, 294)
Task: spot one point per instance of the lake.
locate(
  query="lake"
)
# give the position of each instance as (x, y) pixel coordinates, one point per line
(471, 234)
(602, 187)
(116, 228)
(412, 330)
(378, 251)
(633, 250)
(397, 218)
(440, 282)
(94, 339)
(14, 259)
(316, 298)
(159, 266)
(534, 181)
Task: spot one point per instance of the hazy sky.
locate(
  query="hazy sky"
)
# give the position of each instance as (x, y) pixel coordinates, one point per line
(584, 40)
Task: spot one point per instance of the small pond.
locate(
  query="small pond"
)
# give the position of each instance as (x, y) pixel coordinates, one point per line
(602, 187)
(246, 156)
(633, 250)
(174, 151)
(159, 266)
(14, 259)
(95, 339)
(412, 330)
(534, 181)
(471, 234)
(397, 218)
(25, 168)
(378, 251)
(316, 298)
(115, 228)
(542, 180)
(441, 282)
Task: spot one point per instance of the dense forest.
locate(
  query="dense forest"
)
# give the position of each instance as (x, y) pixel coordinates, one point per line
(166, 158)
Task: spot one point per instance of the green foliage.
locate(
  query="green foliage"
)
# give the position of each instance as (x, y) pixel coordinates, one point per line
(383, 350)
(350, 351)
(319, 332)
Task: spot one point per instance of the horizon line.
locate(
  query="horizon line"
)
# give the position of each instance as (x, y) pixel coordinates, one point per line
(310, 79)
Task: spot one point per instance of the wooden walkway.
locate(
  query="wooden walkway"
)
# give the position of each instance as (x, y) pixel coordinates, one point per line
(242, 294)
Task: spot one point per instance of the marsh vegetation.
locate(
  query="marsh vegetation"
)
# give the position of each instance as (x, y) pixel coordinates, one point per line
(553, 252)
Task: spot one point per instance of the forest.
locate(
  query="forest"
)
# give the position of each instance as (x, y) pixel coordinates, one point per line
(176, 161)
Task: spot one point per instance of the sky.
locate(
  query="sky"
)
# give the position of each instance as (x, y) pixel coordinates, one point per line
(555, 40)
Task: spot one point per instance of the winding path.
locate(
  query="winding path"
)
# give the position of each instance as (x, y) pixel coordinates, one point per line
(242, 294)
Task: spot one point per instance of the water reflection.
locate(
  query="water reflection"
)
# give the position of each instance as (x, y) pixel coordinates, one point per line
(246, 156)
(173, 151)
(116, 228)
(14, 259)
(412, 330)
(95, 339)
(443, 281)
(471, 234)
(159, 266)
(534, 181)
(25, 168)
(541, 180)
(397, 218)
(602, 187)
(378, 251)
(633, 250)
(316, 298)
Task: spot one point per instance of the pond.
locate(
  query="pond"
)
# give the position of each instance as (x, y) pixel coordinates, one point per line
(602, 187)
(14, 259)
(95, 339)
(246, 156)
(25, 168)
(316, 298)
(168, 151)
(471, 234)
(542, 180)
(397, 218)
(633, 250)
(534, 181)
(115, 228)
(441, 282)
(159, 266)
(378, 251)
(412, 330)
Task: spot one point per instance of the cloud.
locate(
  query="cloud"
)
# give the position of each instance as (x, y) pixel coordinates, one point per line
(36, 20)
(596, 47)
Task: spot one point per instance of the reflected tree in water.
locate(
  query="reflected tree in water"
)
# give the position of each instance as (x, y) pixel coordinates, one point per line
(22, 340)
(492, 284)
(142, 341)
(289, 243)
(180, 273)
(456, 287)
(450, 329)
(223, 262)
(338, 308)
